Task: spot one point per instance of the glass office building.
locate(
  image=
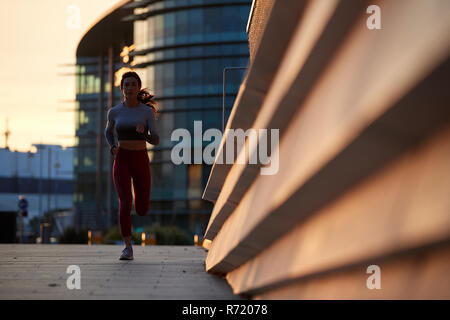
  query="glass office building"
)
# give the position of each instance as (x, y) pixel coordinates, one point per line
(180, 49)
(97, 59)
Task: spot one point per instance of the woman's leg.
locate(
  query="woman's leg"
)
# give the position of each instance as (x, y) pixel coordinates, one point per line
(141, 183)
(122, 183)
(127, 241)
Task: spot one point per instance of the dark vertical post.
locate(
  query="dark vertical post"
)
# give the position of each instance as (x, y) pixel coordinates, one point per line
(223, 98)
(41, 153)
(49, 177)
(99, 157)
(110, 104)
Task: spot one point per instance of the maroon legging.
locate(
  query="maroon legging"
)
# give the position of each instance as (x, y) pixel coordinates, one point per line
(131, 164)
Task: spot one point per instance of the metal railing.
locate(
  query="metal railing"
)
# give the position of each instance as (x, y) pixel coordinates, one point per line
(223, 91)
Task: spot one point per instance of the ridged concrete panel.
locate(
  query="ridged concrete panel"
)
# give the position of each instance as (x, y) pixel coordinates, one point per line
(364, 140)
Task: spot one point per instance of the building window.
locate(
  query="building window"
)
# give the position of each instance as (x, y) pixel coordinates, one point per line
(195, 181)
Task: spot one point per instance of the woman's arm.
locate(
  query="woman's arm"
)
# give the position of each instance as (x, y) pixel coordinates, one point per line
(109, 131)
(153, 138)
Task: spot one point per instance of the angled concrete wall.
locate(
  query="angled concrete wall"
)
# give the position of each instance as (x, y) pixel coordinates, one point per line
(364, 145)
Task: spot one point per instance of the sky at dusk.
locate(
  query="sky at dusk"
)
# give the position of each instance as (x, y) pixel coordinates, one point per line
(37, 39)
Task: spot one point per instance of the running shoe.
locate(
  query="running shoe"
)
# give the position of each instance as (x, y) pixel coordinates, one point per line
(127, 254)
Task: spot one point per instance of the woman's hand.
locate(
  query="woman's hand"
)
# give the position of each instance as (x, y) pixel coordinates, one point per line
(140, 128)
(114, 150)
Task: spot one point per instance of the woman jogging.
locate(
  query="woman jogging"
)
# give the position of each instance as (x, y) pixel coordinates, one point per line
(132, 119)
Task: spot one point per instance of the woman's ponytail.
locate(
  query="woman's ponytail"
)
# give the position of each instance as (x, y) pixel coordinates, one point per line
(146, 98)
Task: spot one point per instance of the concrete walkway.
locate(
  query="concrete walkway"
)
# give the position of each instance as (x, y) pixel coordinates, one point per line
(39, 271)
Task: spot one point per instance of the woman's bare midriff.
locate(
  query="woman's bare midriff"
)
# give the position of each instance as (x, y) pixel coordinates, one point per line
(132, 144)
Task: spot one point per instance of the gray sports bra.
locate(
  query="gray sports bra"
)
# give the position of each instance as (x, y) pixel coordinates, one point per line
(124, 120)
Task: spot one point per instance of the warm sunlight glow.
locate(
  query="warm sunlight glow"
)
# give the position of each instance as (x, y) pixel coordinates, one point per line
(125, 53)
(143, 239)
(38, 69)
(118, 75)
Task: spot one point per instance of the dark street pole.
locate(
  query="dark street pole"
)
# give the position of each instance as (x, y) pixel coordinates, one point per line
(49, 178)
(40, 150)
(99, 173)
(110, 104)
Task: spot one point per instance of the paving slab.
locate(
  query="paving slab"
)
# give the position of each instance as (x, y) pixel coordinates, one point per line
(39, 271)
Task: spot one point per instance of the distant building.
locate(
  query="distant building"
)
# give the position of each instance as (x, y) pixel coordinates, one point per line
(44, 178)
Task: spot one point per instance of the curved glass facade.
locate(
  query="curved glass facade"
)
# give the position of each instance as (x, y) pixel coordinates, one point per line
(88, 99)
(97, 58)
(181, 49)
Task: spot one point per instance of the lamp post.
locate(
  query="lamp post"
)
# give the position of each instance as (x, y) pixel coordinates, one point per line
(40, 147)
